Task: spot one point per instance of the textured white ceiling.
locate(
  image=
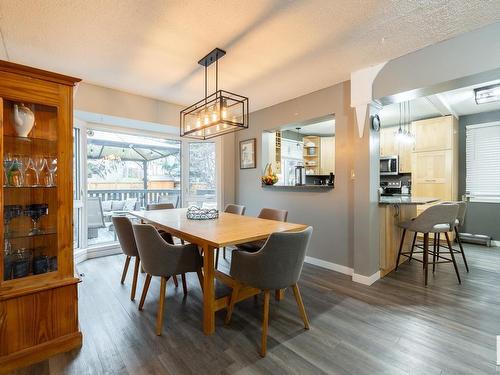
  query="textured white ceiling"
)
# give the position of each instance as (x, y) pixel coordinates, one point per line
(277, 50)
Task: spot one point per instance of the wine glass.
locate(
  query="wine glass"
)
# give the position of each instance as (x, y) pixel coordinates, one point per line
(39, 164)
(36, 211)
(52, 167)
(24, 164)
(7, 165)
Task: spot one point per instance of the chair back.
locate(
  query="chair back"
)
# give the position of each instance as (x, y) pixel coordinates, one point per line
(277, 265)
(235, 209)
(160, 258)
(95, 216)
(462, 209)
(440, 215)
(273, 214)
(125, 234)
(170, 199)
(159, 206)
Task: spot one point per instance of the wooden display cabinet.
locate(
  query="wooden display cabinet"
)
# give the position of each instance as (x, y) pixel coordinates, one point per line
(312, 153)
(38, 287)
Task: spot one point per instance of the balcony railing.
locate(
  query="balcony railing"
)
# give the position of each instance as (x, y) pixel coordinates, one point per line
(146, 196)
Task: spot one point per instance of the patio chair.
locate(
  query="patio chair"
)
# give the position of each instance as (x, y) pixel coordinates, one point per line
(95, 217)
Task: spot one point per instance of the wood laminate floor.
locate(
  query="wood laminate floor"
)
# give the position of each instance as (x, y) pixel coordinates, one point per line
(395, 326)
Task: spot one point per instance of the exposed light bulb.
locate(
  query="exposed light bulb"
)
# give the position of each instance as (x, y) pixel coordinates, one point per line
(224, 126)
(207, 120)
(214, 116)
(217, 127)
(224, 113)
(198, 122)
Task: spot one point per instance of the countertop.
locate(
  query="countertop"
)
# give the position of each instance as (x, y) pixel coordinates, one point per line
(405, 199)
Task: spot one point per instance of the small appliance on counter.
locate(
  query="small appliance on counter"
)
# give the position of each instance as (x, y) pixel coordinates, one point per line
(390, 188)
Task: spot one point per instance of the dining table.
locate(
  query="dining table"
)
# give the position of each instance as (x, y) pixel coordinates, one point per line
(210, 235)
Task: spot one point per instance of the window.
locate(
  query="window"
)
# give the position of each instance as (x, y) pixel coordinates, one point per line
(127, 172)
(483, 162)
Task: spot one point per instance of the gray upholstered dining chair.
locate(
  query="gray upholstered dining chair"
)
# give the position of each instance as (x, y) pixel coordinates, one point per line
(436, 219)
(125, 234)
(277, 265)
(269, 214)
(230, 209)
(159, 258)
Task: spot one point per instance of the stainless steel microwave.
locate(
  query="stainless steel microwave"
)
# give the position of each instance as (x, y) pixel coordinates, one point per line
(389, 165)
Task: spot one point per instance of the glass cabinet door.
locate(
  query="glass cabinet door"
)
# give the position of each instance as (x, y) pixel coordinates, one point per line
(30, 189)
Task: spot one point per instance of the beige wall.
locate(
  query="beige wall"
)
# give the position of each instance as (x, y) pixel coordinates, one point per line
(106, 101)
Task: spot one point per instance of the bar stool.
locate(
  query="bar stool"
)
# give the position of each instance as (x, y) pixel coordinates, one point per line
(462, 209)
(436, 219)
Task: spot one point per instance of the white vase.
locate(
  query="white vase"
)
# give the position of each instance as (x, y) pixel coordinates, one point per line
(24, 119)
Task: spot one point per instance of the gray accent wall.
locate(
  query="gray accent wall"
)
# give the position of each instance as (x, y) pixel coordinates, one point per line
(329, 212)
(482, 218)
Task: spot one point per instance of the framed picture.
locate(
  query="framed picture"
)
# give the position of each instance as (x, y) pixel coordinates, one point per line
(247, 154)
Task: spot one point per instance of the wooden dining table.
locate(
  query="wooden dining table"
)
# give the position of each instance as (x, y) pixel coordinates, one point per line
(209, 235)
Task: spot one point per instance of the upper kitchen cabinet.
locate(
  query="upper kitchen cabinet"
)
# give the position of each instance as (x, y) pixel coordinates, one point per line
(327, 151)
(438, 133)
(388, 144)
(390, 147)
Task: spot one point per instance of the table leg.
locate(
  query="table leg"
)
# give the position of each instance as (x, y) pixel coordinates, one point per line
(208, 290)
(279, 294)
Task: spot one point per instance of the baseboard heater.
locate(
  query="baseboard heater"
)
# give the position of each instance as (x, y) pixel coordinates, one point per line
(478, 239)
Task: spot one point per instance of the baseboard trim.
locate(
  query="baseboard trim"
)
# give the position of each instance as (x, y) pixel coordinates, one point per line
(329, 265)
(366, 280)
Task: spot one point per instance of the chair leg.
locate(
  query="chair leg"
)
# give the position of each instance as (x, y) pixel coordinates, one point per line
(434, 251)
(184, 284)
(461, 248)
(224, 252)
(200, 278)
(232, 301)
(300, 304)
(125, 269)
(452, 257)
(134, 281)
(176, 283)
(161, 305)
(400, 248)
(216, 257)
(438, 246)
(412, 247)
(145, 291)
(426, 257)
(265, 323)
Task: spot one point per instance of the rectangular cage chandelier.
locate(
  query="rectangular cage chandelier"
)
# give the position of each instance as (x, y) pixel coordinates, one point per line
(217, 114)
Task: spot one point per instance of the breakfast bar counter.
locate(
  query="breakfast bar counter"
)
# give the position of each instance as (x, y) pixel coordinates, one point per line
(393, 210)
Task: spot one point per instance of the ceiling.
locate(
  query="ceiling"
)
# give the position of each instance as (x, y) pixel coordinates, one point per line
(323, 128)
(276, 49)
(457, 102)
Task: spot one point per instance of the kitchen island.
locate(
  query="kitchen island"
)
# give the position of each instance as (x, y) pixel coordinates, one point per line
(394, 209)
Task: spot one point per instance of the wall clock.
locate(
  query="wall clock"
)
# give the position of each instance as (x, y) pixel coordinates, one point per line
(376, 123)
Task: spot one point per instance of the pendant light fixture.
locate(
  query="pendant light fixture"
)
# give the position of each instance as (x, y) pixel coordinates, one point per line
(404, 134)
(216, 114)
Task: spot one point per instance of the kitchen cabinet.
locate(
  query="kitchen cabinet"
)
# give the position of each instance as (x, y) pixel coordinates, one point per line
(327, 159)
(434, 134)
(312, 154)
(435, 159)
(38, 287)
(388, 144)
(389, 147)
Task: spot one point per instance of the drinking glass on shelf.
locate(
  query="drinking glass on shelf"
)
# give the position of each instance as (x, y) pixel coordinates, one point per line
(52, 167)
(24, 164)
(39, 164)
(7, 165)
(14, 175)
